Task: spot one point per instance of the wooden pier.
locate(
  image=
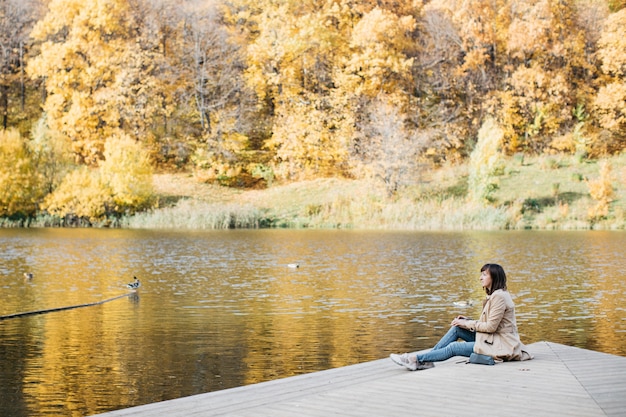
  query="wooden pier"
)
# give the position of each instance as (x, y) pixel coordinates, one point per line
(560, 381)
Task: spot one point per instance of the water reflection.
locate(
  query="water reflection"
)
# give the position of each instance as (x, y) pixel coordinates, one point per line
(222, 309)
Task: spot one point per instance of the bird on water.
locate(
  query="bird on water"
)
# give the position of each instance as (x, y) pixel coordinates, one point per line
(463, 303)
(134, 285)
(28, 276)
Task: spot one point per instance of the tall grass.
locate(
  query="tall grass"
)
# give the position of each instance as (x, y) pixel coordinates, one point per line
(364, 209)
(534, 193)
(408, 214)
(194, 214)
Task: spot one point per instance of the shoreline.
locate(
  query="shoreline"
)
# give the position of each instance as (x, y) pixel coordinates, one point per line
(541, 193)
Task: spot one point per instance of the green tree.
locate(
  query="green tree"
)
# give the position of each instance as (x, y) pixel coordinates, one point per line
(51, 153)
(485, 162)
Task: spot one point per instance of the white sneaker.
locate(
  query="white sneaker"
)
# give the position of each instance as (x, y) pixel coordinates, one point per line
(410, 362)
(405, 360)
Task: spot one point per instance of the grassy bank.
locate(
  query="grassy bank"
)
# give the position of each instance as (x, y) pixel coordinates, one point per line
(548, 192)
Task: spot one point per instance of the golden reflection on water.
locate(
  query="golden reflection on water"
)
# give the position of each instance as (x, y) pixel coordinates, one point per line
(222, 309)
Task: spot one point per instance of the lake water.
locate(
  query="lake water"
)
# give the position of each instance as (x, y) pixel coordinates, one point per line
(221, 309)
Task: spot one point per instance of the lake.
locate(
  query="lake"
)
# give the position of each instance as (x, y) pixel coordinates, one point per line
(221, 309)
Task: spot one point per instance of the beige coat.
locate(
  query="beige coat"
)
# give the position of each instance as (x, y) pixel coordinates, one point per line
(496, 330)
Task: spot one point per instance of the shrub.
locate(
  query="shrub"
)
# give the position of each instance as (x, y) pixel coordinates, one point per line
(127, 173)
(485, 162)
(81, 194)
(121, 184)
(52, 155)
(601, 190)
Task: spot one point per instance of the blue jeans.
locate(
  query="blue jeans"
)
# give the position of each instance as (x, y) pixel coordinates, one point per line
(449, 346)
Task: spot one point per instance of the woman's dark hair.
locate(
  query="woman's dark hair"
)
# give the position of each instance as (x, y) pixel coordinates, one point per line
(498, 277)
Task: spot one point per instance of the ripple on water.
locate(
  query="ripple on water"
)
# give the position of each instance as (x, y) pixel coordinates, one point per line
(224, 303)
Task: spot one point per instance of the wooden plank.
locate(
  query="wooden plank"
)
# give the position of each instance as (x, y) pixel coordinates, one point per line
(561, 380)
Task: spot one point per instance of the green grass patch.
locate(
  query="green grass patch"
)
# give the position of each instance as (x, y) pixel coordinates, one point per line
(546, 192)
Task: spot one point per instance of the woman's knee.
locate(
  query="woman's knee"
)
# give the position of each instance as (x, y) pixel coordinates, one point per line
(460, 348)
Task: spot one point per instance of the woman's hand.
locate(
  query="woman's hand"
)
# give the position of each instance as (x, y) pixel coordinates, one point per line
(459, 321)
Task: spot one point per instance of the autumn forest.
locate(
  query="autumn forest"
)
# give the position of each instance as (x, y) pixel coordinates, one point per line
(97, 96)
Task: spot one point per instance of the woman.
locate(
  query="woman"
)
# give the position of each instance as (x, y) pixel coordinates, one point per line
(494, 334)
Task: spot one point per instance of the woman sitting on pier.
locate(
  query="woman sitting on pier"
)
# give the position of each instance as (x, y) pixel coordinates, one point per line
(494, 334)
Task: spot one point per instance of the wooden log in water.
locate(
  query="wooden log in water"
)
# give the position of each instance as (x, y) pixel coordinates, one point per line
(50, 310)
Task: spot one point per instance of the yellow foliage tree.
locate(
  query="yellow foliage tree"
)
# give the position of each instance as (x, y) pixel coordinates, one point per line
(81, 194)
(127, 172)
(378, 63)
(373, 79)
(220, 157)
(481, 27)
(305, 142)
(536, 107)
(20, 185)
(545, 47)
(98, 77)
(290, 67)
(612, 45)
(609, 106)
(122, 184)
(610, 109)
